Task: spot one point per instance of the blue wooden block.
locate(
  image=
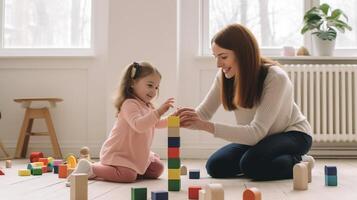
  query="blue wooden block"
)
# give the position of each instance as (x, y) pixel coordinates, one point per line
(173, 142)
(330, 170)
(330, 180)
(159, 195)
(194, 174)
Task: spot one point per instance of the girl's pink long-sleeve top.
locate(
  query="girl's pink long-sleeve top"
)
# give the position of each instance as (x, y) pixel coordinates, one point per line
(130, 140)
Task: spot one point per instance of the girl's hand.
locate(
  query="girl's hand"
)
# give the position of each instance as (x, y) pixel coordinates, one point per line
(165, 106)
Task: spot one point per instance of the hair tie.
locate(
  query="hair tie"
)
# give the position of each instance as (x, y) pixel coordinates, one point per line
(135, 70)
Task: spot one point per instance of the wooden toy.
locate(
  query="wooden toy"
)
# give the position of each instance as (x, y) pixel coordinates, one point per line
(174, 141)
(309, 171)
(138, 193)
(44, 169)
(1, 172)
(159, 195)
(35, 156)
(84, 154)
(174, 174)
(79, 186)
(202, 195)
(173, 132)
(252, 194)
(50, 160)
(300, 176)
(24, 172)
(194, 174)
(71, 161)
(62, 171)
(173, 152)
(183, 170)
(174, 163)
(193, 192)
(36, 171)
(44, 161)
(173, 121)
(330, 176)
(8, 163)
(214, 191)
(174, 185)
(37, 164)
(69, 171)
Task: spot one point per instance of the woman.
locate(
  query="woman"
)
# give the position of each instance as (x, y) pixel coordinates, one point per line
(271, 134)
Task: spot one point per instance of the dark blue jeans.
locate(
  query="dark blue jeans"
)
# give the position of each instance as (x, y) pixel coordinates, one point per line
(272, 158)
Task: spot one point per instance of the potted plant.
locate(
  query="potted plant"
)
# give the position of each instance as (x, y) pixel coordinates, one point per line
(323, 22)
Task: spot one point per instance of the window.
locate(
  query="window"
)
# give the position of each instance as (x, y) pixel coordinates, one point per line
(42, 24)
(275, 23)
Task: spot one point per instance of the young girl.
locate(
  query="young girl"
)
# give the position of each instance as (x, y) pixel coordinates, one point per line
(126, 154)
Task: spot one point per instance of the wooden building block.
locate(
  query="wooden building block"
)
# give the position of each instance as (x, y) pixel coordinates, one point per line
(138, 193)
(159, 195)
(173, 132)
(36, 171)
(44, 161)
(193, 192)
(194, 174)
(55, 169)
(44, 169)
(35, 156)
(174, 174)
(37, 164)
(330, 180)
(202, 195)
(183, 170)
(309, 171)
(71, 161)
(252, 194)
(24, 172)
(174, 163)
(173, 121)
(57, 162)
(174, 185)
(214, 191)
(62, 171)
(173, 142)
(330, 170)
(173, 152)
(79, 186)
(8, 164)
(300, 176)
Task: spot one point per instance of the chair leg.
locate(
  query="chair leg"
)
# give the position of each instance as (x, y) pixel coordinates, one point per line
(27, 138)
(7, 156)
(52, 134)
(22, 135)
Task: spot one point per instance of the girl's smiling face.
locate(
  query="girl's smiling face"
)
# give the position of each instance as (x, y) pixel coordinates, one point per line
(146, 88)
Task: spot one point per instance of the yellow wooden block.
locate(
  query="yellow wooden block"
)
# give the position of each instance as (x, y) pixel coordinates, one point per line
(174, 174)
(173, 132)
(71, 161)
(50, 159)
(173, 121)
(24, 172)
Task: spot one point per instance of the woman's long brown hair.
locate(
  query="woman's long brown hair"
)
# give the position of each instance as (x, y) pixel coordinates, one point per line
(246, 88)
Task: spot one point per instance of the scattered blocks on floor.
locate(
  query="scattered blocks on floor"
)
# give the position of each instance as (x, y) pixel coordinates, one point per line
(79, 186)
(202, 195)
(183, 170)
(71, 161)
(62, 171)
(252, 194)
(193, 192)
(138, 193)
(194, 174)
(35, 156)
(8, 163)
(44, 161)
(159, 195)
(24, 172)
(330, 176)
(36, 171)
(300, 176)
(214, 191)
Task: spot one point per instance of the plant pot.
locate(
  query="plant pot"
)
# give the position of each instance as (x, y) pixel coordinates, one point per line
(322, 47)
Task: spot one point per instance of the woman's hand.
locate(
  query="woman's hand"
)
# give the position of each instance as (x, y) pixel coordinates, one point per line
(190, 119)
(169, 103)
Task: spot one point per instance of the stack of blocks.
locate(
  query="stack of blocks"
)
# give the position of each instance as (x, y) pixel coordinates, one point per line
(330, 176)
(173, 154)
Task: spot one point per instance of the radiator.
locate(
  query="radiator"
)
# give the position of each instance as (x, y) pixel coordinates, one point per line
(327, 95)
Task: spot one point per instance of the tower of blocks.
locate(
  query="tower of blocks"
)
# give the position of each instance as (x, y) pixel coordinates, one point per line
(330, 176)
(173, 154)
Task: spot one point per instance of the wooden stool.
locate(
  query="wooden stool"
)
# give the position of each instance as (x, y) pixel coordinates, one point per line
(30, 115)
(7, 156)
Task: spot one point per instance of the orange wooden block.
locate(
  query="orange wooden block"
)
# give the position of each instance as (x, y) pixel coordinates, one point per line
(252, 194)
(62, 171)
(44, 160)
(193, 192)
(173, 152)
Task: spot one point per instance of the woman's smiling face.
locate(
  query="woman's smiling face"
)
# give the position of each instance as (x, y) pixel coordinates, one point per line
(226, 60)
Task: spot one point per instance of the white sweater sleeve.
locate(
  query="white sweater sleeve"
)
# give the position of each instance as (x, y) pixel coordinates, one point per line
(212, 101)
(277, 91)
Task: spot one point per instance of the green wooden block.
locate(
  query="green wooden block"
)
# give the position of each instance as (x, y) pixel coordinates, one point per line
(138, 193)
(331, 180)
(174, 163)
(36, 171)
(174, 185)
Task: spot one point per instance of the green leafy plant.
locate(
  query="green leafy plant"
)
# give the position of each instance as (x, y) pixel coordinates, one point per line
(324, 22)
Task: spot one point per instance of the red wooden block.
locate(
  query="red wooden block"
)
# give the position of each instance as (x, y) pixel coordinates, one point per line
(35, 156)
(252, 194)
(193, 192)
(62, 171)
(44, 160)
(44, 169)
(173, 152)
(1, 172)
